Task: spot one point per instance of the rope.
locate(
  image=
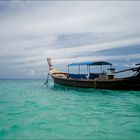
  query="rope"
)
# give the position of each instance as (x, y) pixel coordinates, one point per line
(47, 80)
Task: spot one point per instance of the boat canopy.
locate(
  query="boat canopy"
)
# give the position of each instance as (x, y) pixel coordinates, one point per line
(89, 63)
(101, 63)
(81, 63)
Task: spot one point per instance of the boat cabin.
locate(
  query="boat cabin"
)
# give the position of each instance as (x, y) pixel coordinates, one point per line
(90, 75)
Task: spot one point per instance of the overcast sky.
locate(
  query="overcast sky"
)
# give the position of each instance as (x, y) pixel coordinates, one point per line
(67, 32)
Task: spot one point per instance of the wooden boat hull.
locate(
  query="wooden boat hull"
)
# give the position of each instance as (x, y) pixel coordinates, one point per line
(130, 83)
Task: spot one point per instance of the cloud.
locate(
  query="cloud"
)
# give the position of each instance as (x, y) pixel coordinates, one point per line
(65, 31)
(32, 73)
(81, 50)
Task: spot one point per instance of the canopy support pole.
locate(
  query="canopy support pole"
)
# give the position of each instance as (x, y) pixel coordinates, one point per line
(79, 69)
(68, 69)
(101, 68)
(87, 69)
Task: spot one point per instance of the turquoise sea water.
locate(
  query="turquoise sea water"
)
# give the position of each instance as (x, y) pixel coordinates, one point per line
(30, 110)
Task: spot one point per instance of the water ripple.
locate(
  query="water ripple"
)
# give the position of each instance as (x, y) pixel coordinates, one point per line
(29, 110)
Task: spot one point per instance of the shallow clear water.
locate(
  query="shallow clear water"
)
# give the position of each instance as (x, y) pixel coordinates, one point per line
(30, 110)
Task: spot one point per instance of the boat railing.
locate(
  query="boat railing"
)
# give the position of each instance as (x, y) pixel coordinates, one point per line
(86, 76)
(77, 76)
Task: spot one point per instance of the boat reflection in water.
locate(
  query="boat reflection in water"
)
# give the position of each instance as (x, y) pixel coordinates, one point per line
(100, 80)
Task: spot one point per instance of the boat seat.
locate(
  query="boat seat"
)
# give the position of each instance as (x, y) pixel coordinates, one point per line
(93, 75)
(77, 76)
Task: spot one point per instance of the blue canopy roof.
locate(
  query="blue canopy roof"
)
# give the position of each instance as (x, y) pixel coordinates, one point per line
(81, 63)
(101, 63)
(90, 63)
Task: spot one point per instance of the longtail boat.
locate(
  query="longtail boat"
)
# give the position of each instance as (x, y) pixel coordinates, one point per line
(101, 80)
